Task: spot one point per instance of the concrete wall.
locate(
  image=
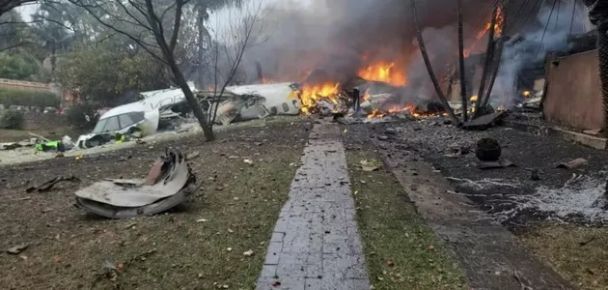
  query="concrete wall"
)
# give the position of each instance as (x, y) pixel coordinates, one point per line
(24, 85)
(574, 97)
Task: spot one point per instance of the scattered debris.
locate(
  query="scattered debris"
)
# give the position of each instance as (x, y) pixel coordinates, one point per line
(370, 165)
(584, 243)
(16, 250)
(502, 163)
(485, 122)
(248, 161)
(130, 198)
(573, 164)
(51, 183)
(594, 132)
(390, 131)
(248, 253)
(193, 155)
(15, 145)
(488, 150)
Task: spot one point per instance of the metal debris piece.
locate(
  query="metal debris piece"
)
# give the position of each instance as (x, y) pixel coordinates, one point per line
(370, 165)
(16, 250)
(51, 183)
(574, 164)
(172, 182)
(485, 122)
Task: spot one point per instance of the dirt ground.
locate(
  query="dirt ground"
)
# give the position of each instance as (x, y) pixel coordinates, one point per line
(199, 245)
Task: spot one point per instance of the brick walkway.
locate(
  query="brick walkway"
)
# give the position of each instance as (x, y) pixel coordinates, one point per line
(316, 244)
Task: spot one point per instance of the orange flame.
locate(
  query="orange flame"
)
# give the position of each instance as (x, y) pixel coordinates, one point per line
(311, 94)
(498, 30)
(375, 114)
(404, 109)
(384, 72)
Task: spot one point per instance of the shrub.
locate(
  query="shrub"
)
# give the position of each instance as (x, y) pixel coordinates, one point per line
(11, 97)
(82, 116)
(11, 120)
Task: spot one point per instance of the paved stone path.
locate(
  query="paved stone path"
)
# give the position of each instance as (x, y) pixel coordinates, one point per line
(316, 244)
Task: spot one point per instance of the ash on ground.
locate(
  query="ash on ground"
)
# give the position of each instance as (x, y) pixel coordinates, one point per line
(532, 190)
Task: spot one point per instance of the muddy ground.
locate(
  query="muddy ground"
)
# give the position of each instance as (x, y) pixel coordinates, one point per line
(233, 212)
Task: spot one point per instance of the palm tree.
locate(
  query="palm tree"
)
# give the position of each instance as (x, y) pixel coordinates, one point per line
(599, 16)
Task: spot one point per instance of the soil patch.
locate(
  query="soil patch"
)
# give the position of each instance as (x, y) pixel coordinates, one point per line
(201, 244)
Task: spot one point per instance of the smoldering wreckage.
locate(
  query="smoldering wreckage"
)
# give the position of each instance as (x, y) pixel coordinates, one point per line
(375, 87)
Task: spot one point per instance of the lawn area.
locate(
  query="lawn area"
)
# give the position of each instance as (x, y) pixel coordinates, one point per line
(200, 245)
(401, 251)
(577, 253)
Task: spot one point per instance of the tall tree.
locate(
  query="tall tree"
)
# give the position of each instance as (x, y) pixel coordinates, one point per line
(599, 16)
(155, 26)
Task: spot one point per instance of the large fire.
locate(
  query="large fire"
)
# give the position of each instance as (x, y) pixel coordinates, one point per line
(384, 72)
(498, 30)
(310, 95)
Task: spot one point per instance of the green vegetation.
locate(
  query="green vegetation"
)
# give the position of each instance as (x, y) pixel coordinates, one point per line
(17, 66)
(401, 251)
(10, 97)
(104, 73)
(11, 120)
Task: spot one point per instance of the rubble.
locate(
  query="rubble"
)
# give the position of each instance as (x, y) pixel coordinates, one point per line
(16, 250)
(573, 164)
(168, 184)
(370, 165)
(485, 122)
(44, 187)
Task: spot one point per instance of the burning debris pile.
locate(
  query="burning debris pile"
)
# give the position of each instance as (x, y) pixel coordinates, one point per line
(335, 48)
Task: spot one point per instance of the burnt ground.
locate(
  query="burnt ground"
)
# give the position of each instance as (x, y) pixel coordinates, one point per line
(443, 146)
(553, 221)
(197, 245)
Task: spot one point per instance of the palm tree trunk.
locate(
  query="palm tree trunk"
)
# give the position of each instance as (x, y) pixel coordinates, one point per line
(602, 42)
(429, 67)
(462, 66)
(599, 16)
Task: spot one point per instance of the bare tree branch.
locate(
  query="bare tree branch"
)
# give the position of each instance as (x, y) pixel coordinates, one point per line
(137, 40)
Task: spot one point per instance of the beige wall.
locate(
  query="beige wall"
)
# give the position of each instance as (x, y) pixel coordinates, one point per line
(23, 85)
(574, 97)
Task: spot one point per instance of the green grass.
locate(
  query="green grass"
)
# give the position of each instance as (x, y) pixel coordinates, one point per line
(401, 251)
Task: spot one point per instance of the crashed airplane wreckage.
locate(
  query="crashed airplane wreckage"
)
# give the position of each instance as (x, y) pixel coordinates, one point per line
(168, 108)
(168, 184)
